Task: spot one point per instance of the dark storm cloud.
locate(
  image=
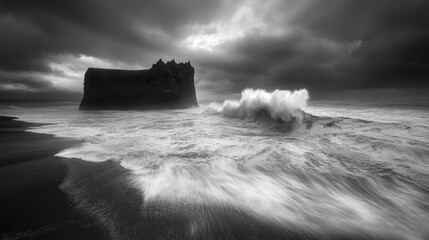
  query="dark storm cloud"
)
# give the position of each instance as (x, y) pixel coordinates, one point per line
(335, 45)
(135, 32)
(321, 45)
(111, 29)
(296, 60)
(347, 20)
(394, 34)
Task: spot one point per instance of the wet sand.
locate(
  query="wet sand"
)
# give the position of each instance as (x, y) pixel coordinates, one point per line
(32, 205)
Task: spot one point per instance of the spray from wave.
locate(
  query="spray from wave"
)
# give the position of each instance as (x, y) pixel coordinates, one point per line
(280, 105)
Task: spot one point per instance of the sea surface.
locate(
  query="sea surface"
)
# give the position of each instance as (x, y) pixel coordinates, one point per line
(322, 169)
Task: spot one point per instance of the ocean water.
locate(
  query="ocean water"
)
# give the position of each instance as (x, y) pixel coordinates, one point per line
(325, 169)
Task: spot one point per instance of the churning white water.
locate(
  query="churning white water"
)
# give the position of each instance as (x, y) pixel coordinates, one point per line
(324, 168)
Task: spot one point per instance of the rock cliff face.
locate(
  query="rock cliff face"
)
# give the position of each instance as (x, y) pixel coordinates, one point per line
(164, 86)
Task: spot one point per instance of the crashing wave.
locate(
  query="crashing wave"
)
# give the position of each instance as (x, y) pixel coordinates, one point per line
(280, 105)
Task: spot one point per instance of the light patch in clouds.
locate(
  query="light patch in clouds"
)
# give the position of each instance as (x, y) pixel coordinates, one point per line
(354, 46)
(248, 19)
(14, 87)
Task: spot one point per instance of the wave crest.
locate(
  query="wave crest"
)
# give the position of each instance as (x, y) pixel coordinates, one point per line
(281, 105)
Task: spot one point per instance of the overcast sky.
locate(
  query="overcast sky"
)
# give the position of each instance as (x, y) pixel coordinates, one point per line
(327, 46)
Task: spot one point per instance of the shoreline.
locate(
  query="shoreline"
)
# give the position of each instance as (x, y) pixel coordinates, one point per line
(33, 206)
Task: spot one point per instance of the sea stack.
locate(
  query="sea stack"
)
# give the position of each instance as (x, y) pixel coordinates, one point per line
(164, 86)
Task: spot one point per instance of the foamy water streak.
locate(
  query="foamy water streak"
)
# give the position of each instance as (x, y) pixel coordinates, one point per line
(281, 105)
(325, 174)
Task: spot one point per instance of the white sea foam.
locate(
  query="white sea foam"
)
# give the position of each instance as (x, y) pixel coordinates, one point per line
(275, 196)
(280, 105)
(332, 173)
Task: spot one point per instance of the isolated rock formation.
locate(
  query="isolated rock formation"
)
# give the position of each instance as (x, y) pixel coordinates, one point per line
(165, 86)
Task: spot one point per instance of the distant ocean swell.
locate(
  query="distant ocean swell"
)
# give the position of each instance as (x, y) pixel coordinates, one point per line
(266, 166)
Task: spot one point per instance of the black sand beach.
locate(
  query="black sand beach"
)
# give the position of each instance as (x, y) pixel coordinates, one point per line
(32, 205)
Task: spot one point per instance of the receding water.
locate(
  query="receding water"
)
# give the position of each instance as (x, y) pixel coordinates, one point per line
(323, 168)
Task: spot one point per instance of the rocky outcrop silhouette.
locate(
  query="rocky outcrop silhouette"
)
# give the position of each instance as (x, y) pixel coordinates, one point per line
(165, 86)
